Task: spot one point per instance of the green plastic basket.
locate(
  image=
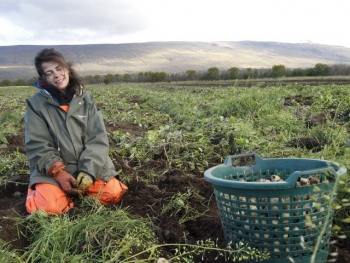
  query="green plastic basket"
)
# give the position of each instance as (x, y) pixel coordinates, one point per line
(283, 218)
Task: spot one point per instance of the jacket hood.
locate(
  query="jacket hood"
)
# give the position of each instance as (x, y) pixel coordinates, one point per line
(43, 86)
(39, 84)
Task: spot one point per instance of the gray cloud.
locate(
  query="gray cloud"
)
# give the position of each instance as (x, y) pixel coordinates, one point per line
(62, 22)
(70, 21)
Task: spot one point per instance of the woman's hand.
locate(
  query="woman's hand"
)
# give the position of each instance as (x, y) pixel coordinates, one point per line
(66, 180)
(84, 181)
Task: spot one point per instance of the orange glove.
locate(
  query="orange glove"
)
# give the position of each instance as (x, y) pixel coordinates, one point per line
(66, 180)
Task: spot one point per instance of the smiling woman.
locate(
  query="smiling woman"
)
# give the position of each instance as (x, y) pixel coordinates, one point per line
(66, 141)
(56, 75)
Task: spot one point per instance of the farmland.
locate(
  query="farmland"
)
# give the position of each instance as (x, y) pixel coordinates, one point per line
(162, 138)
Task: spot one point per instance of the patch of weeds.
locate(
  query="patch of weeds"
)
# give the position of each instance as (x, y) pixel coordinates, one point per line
(181, 205)
(97, 234)
(232, 253)
(11, 165)
(7, 255)
(9, 122)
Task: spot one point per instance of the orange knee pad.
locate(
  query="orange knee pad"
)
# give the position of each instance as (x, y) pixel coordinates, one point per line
(52, 199)
(48, 197)
(107, 193)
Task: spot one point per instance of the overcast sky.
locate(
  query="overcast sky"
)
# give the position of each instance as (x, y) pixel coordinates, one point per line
(45, 22)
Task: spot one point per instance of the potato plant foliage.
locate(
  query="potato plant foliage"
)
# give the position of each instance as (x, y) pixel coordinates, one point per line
(191, 128)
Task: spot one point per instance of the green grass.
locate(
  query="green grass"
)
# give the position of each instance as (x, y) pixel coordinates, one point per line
(192, 128)
(100, 234)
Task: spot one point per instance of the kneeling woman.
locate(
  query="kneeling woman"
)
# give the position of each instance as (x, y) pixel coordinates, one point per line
(66, 141)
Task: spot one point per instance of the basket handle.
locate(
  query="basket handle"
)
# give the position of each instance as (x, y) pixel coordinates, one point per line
(293, 178)
(228, 160)
(289, 183)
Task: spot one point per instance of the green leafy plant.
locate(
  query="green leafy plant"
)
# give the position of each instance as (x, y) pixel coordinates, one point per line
(180, 204)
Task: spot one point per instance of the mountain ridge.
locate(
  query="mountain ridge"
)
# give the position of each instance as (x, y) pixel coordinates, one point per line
(173, 56)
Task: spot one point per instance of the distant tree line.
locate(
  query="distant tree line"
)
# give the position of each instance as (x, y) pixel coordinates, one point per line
(213, 73)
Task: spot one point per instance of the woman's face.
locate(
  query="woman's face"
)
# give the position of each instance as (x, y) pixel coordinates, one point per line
(56, 75)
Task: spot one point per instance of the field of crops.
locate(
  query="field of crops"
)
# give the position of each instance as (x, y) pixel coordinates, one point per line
(163, 137)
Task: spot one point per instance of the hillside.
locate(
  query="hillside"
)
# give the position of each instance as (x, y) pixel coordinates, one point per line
(173, 57)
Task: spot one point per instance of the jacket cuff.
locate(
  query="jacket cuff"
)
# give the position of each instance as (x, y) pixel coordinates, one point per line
(56, 168)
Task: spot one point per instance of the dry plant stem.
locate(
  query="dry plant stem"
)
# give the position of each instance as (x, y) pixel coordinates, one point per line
(323, 230)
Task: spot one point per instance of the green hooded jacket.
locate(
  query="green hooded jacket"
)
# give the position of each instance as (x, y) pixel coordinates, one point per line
(77, 138)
